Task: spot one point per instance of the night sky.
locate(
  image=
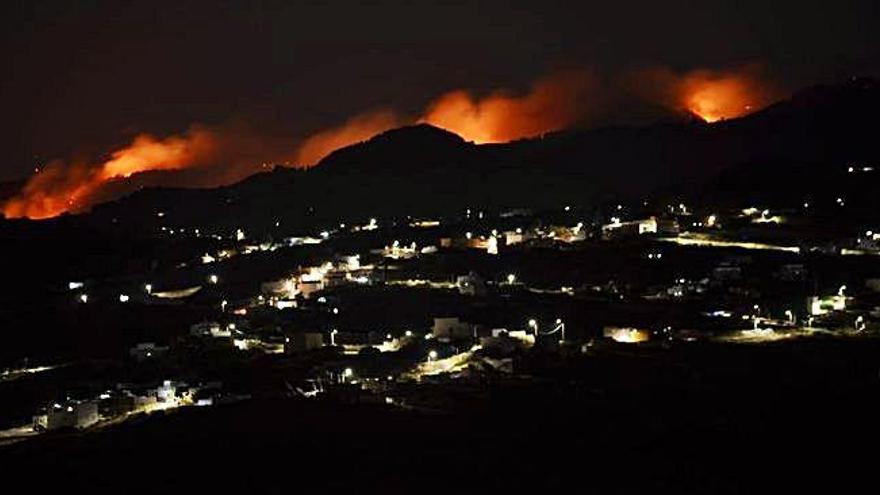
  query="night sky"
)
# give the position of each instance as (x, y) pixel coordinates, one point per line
(82, 77)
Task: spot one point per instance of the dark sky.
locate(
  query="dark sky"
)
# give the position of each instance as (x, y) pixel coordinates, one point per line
(79, 76)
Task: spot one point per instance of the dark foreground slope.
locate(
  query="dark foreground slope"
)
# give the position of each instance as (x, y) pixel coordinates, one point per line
(695, 419)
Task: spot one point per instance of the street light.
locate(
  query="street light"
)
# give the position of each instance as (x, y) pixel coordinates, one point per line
(213, 279)
(333, 336)
(148, 288)
(860, 323)
(561, 326)
(533, 324)
(789, 315)
(511, 278)
(432, 356)
(756, 308)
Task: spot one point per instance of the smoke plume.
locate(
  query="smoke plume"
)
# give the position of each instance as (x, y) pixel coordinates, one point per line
(212, 156)
(354, 130)
(711, 95)
(552, 103)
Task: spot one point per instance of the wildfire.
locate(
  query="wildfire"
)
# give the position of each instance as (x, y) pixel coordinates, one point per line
(551, 104)
(62, 187)
(716, 97)
(208, 157)
(710, 95)
(354, 130)
(148, 153)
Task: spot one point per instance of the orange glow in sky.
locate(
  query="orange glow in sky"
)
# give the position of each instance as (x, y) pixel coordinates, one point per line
(62, 187)
(714, 98)
(551, 104)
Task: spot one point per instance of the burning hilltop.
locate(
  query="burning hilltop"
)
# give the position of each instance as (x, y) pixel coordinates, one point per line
(212, 156)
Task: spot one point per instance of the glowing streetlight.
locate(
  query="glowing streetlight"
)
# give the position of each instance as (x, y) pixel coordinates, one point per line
(83, 298)
(860, 323)
(561, 327)
(333, 336)
(123, 298)
(348, 373)
(148, 288)
(511, 278)
(223, 305)
(408, 333)
(432, 356)
(789, 315)
(756, 308)
(213, 279)
(533, 324)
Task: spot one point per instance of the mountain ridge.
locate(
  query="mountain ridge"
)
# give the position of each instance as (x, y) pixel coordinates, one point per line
(422, 169)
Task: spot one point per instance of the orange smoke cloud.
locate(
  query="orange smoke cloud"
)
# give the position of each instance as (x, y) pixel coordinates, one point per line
(552, 103)
(62, 187)
(710, 95)
(209, 156)
(148, 153)
(357, 129)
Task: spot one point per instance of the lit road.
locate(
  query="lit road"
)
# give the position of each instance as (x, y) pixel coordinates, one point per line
(452, 364)
(702, 240)
(10, 375)
(17, 434)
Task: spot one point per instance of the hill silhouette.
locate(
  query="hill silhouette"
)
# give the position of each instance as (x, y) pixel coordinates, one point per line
(422, 170)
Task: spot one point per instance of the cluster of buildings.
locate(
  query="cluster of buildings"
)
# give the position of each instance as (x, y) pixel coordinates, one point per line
(124, 400)
(283, 293)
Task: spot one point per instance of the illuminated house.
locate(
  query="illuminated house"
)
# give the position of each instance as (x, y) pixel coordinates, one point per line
(512, 237)
(166, 392)
(626, 335)
(668, 226)
(209, 329)
(870, 242)
(308, 287)
(305, 341)
(823, 305)
(397, 251)
(285, 287)
(79, 414)
(627, 229)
